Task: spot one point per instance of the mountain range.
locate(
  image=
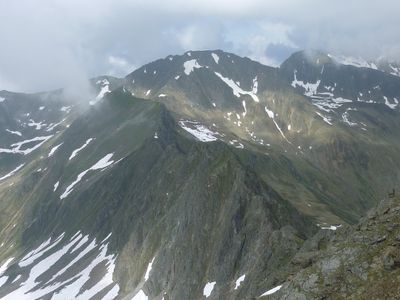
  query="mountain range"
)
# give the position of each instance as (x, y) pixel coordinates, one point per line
(202, 175)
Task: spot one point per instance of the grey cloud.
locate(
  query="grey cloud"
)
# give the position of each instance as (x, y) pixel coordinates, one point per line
(51, 43)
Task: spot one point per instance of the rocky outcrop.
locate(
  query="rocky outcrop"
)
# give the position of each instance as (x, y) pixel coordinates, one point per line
(356, 262)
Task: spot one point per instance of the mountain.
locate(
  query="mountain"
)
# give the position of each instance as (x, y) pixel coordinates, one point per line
(196, 176)
(357, 262)
(268, 110)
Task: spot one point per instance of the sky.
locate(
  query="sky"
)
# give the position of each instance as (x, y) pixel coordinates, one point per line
(48, 44)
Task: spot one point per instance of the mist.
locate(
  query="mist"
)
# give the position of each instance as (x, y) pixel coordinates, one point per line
(57, 43)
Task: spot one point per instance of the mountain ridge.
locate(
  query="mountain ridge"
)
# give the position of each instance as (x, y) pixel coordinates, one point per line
(223, 171)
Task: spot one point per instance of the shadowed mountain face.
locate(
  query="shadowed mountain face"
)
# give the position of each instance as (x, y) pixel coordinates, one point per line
(196, 176)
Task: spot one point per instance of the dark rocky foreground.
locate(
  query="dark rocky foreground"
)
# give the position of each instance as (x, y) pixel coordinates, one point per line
(355, 262)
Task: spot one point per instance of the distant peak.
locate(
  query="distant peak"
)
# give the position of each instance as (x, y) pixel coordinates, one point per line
(316, 57)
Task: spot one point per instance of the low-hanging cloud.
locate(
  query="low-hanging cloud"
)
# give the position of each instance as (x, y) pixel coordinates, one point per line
(52, 43)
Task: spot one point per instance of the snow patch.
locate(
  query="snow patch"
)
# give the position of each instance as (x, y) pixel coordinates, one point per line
(271, 291)
(310, 88)
(54, 125)
(81, 254)
(199, 131)
(76, 151)
(12, 172)
(72, 288)
(255, 85)
(148, 270)
(56, 186)
(390, 105)
(16, 147)
(327, 103)
(215, 57)
(140, 296)
(395, 71)
(80, 244)
(326, 119)
(190, 65)
(239, 281)
(244, 108)
(54, 149)
(108, 235)
(345, 117)
(353, 61)
(37, 125)
(14, 132)
(5, 265)
(271, 115)
(208, 288)
(35, 254)
(101, 164)
(237, 90)
(330, 227)
(103, 91)
(113, 293)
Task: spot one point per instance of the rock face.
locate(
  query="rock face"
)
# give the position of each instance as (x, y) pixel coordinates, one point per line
(135, 213)
(203, 175)
(356, 262)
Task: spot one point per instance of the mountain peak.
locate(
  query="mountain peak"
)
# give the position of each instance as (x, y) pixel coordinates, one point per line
(204, 58)
(316, 57)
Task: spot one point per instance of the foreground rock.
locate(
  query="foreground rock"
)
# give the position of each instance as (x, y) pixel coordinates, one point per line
(354, 262)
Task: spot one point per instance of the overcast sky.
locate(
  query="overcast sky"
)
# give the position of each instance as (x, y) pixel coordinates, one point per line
(46, 44)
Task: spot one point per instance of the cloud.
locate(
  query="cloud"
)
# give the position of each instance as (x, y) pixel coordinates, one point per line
(197, 36)
(119, 66)
(52, 43)
(253, 40)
